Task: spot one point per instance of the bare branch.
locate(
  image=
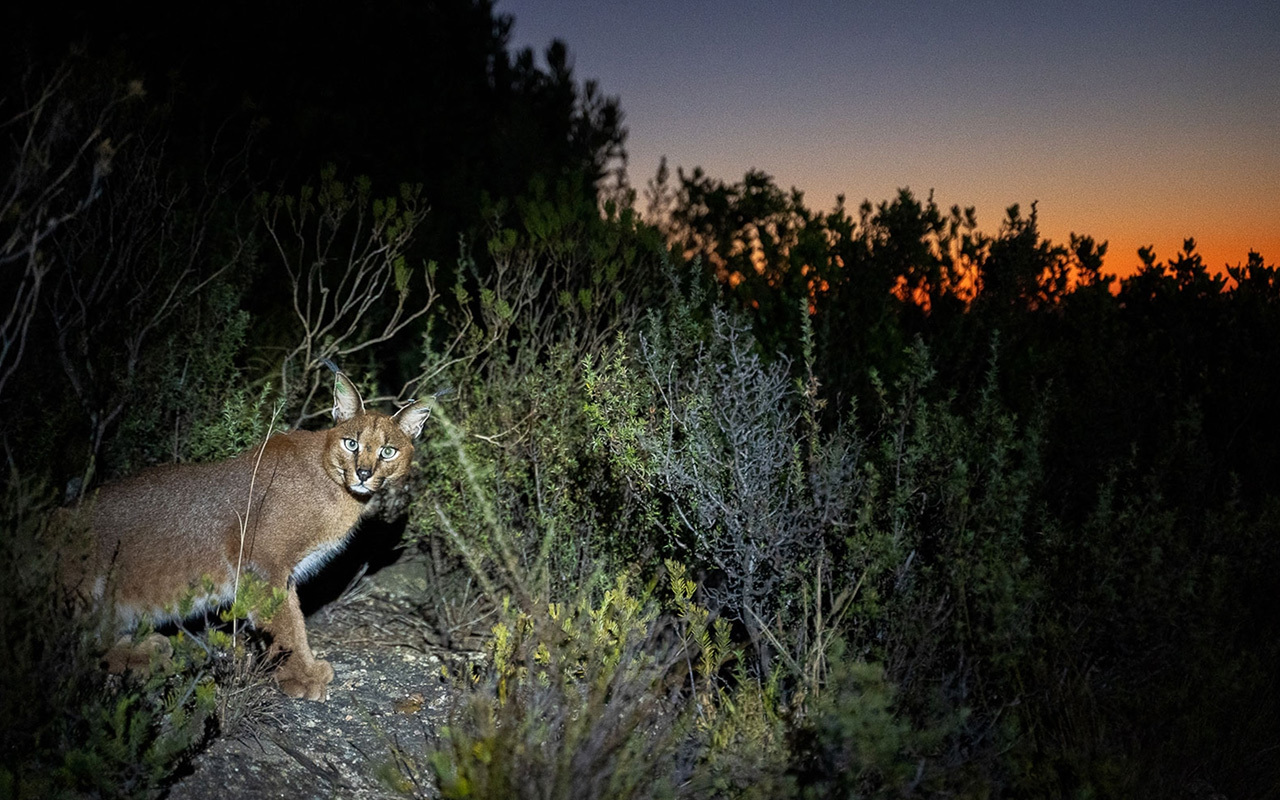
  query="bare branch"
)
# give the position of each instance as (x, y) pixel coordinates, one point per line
(51, 181)
(344, 253)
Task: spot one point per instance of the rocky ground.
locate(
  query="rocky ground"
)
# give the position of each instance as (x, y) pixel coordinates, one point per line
(371, 738)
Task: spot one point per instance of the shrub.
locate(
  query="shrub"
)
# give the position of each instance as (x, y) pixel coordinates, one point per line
(579, 700)
(724, 446)
(512, 477)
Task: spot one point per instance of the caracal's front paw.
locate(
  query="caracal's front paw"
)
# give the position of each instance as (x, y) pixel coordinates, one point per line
(310, 681)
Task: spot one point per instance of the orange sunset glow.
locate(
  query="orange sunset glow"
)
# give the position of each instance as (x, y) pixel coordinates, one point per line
(1139, 126)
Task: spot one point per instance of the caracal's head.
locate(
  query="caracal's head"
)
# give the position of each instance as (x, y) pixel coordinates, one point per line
(367, 450)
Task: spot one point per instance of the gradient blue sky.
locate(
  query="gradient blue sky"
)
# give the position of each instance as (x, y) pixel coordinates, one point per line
(1138, 123)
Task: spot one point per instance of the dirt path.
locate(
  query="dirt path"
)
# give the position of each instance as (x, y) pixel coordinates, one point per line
(372, 736)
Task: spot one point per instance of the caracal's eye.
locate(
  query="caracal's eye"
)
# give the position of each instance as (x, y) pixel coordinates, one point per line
(387, 453)
(351, 444)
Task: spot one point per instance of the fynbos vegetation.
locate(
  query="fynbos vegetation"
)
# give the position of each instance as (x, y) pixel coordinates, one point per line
(761, 501)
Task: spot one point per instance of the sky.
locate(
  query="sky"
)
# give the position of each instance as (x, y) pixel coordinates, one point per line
(1137, 123)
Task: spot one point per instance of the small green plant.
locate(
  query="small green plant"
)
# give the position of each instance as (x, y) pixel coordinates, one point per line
(597, 697)
(856, 742)
(239, 425)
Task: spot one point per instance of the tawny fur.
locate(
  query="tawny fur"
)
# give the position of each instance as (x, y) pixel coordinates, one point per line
(160, 533)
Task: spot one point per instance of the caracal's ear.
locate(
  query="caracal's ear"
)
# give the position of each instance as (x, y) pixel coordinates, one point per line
(346, 398)
(411, 418)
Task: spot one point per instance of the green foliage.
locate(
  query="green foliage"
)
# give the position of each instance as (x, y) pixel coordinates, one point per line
(857, 741)
(557, 269)
(191, 402)
(241, 424)
(255, 599)
(507, 487)
(578, 700)
(924, 529)
(610, 698)
(944, 543)
(511, 480)
(952, 490)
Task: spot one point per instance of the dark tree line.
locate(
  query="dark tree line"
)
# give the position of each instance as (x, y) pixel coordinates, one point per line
(400, 91)
(1127, 360)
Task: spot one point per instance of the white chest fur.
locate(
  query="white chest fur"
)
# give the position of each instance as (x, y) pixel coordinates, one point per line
(317, 558)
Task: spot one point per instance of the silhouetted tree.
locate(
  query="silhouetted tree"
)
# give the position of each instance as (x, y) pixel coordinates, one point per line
(397, 90)
(1021, 270)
